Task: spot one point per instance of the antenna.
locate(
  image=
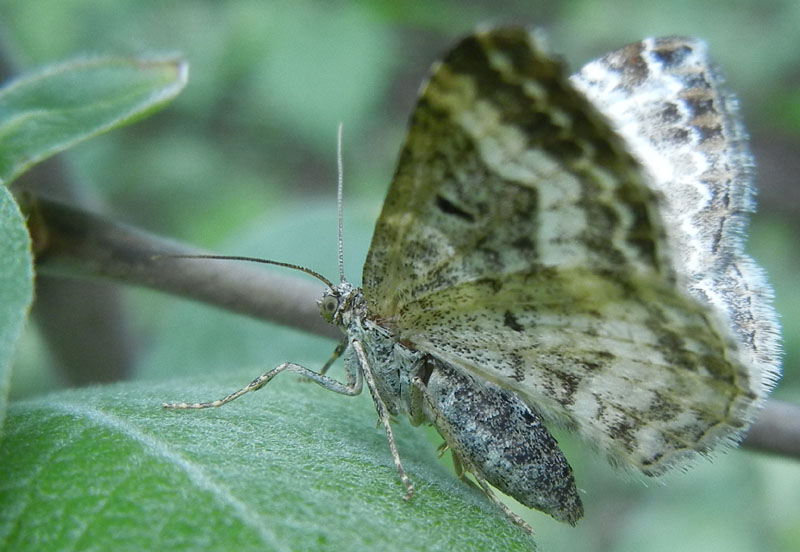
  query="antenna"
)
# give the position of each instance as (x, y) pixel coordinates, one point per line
(308, 271)
(339, 187)
(315, 274)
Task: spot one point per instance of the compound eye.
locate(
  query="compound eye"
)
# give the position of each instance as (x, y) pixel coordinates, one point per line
(328, 306)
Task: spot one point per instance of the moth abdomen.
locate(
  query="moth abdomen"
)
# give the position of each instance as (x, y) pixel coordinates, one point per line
(501, 440)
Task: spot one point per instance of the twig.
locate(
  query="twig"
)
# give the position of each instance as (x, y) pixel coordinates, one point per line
(72, 243)
(777, 429)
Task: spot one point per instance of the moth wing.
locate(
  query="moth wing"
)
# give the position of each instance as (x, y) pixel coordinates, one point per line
(521, 241)
(667, 98)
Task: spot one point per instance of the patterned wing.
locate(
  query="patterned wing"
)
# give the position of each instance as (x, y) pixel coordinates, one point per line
(665, 98)
(521, 241)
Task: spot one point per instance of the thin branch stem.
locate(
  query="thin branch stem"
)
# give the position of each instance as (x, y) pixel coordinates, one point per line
(76, 244)
(776, 430)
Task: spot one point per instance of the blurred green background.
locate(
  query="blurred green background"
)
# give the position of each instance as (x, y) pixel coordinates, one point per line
(243, 162)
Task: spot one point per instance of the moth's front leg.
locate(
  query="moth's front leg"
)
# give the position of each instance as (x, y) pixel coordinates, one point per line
(500, 440)
(383, 414)
(352, 387)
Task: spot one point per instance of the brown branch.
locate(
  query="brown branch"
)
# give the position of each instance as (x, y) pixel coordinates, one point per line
(77, 244)
(72, 243)
(776, 430)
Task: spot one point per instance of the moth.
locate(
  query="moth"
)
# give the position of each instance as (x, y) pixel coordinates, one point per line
(566, 251)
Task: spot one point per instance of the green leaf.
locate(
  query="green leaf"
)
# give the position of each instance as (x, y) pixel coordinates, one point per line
(292, 467)
(47, 111)
(16, 287)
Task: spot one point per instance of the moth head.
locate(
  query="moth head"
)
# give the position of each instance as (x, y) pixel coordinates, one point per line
(339, 302)
(328, 306)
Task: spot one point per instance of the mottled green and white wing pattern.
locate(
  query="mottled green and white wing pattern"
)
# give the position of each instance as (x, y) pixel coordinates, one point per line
(522, 242)
(666, 98)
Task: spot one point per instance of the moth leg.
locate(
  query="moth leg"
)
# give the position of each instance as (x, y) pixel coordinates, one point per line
(337, 352)
(352, 387)
(487, 490)
(416, 411)
(383, 415)
(458, 467)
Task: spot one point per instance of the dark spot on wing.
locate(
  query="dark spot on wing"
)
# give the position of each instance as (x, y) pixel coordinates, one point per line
(510, 321)
(662, 408)
(524, 243)
(670, 55)
(670, 113)
(622, 431)
(450, 208)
